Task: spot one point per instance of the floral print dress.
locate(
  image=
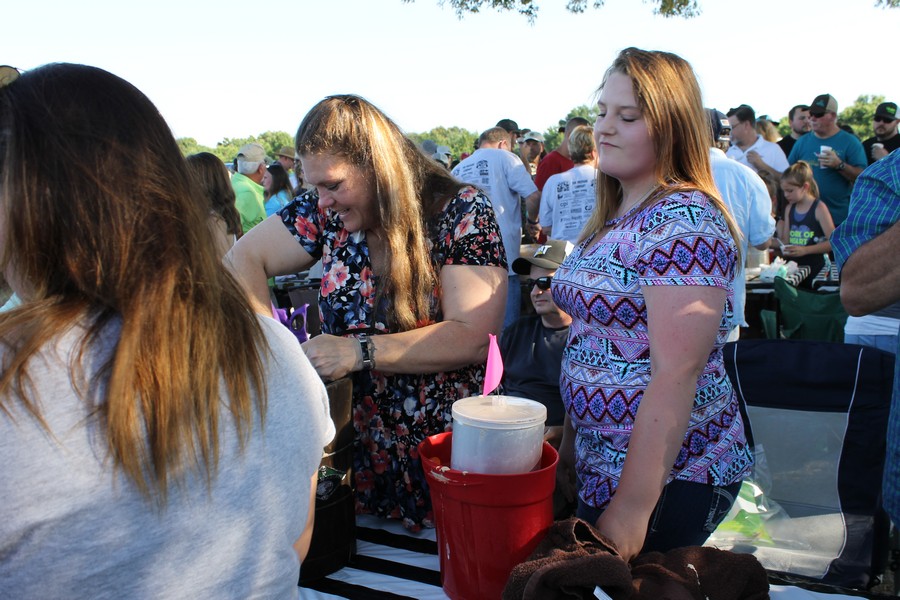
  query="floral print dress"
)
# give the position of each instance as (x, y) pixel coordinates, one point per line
(393, 413)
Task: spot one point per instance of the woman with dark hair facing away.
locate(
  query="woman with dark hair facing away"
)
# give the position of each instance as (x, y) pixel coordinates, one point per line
(224, 219)
(159, 439)
(278, 190)
(654, 433)
(413, 283)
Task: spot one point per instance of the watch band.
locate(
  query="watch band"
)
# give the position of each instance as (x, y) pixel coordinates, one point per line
(368, 352)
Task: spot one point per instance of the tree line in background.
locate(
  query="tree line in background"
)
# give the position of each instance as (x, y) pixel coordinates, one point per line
(858, 116)
(529, 8)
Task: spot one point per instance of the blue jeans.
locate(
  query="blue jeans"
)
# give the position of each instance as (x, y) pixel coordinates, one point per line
(513, 301)
(685, 514)
(888, 343)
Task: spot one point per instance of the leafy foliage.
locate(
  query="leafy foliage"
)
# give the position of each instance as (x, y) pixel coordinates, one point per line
(553, 137)
(459, 140)
(529, 8)
(227, 149)
(189, 145)
(859, 114)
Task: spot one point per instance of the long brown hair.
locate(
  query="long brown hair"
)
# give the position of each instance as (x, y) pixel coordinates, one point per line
(103, 229)
(410, 187)
(212, 177)
(668, 95)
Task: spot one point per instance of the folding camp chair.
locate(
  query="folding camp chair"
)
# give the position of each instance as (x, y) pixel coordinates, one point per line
(805, 315)
(816, 414)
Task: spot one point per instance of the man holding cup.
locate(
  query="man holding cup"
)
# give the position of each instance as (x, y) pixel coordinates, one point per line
(838, 155)
(886, 138)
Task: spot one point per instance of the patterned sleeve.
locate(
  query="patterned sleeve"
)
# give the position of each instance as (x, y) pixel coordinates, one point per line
(306, 222)
(684, 240)
(468, 233)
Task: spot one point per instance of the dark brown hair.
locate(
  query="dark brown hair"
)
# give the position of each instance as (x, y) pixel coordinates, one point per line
(212, 178)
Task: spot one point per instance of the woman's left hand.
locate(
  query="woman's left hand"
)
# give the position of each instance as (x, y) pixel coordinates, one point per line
(333, 356)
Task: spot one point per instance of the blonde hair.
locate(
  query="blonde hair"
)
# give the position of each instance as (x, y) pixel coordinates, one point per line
(800, 174)
(768, 132)
(581, 144)
(411, 189)
(668, 95)
(106, 229)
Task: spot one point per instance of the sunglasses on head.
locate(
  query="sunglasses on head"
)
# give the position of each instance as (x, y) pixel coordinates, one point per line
(882, 120)
(542, 283)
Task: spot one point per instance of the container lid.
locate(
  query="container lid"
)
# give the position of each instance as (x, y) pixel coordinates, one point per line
(481, 411)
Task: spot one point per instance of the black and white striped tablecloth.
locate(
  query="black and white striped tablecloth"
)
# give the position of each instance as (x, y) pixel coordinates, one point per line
(393, 564)
(390, 564)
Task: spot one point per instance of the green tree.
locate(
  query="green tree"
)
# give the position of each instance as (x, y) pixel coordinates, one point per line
(553, 137)
(859, 115)
(273, 141)
(530, 8)
(189, 145)
(459, 140)
(228, 148)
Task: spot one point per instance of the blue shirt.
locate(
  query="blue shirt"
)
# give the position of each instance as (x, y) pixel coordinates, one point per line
(275, 203)
(874, 208)
(834, 189)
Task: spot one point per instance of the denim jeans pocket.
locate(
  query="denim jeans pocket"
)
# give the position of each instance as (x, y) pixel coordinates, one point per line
(719, 505)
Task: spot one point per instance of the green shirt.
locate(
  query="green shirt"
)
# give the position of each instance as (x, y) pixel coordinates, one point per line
(248, 200)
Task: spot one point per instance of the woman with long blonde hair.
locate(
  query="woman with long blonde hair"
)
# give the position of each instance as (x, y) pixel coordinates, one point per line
(158, 438)
(653, 430)
(413, 283)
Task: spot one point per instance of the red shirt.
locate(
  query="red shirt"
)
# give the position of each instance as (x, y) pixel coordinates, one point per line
(551, 164)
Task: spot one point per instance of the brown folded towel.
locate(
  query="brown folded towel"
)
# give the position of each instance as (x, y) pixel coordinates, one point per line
(698, 573)
(568, 564)
(574, 558)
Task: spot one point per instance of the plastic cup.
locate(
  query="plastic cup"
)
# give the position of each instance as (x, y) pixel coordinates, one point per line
(822, 150)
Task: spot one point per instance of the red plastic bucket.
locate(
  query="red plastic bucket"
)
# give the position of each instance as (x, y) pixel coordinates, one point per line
(486, 524)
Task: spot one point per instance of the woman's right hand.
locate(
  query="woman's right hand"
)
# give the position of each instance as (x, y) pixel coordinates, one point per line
(333, 357)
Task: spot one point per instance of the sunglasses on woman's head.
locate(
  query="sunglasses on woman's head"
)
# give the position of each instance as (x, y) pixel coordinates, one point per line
(542, 283)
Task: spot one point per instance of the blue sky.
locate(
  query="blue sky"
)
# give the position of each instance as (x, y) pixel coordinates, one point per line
(234, 69)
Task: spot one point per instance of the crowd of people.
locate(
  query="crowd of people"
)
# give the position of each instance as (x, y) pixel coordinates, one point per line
(162, 434)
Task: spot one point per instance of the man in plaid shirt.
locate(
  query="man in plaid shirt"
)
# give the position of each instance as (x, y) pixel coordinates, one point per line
(865, 246)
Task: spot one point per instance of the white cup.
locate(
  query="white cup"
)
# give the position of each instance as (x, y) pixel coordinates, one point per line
(822, 150)
(876, 146)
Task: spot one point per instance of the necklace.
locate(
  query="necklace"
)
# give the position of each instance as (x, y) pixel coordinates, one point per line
(616, 220)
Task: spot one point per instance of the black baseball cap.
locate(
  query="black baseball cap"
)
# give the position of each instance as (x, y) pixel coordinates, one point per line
(509, 125)
(822, 104)
(887, 110)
